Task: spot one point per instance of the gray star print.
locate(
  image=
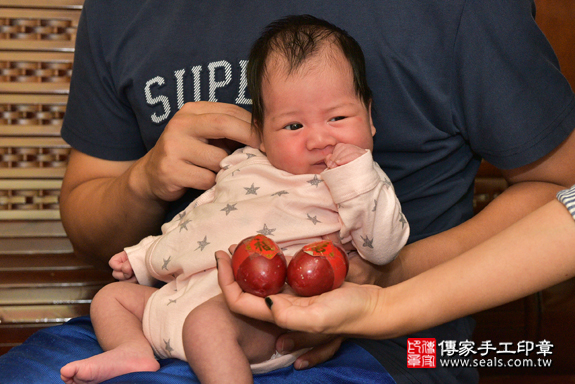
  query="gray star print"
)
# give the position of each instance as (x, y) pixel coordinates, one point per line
(170, 301)
(251, 190)
(184, 225)
(374, 206)
(279, 193)
(402, 221)
(387, 182)
(229, 208)
(181, 215)
(267, 231)
(166, 262)
(367, 242)
(250, 155)
(315, 181)
(234, 172)
(314, 219)
(168, 347)
(202, 244)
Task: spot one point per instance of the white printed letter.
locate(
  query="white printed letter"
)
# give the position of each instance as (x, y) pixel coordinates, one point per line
(242, 99)
(196, 72)
(213, 85)
(159, 99)
(179, 75)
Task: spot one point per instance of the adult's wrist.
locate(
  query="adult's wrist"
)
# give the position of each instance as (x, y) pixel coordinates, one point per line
(139, 187)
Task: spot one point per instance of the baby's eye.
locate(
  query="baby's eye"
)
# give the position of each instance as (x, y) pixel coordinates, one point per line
(293, 126)
(337, 118)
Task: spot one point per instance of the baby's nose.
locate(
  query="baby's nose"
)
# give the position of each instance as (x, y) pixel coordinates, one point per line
(320, 138)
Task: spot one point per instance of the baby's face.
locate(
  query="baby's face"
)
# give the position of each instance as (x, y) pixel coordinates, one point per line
(308, 112)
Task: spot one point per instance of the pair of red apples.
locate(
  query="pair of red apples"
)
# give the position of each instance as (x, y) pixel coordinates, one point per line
(260, 267)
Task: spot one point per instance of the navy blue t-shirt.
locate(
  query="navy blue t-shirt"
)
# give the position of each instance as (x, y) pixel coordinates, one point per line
(454, 81)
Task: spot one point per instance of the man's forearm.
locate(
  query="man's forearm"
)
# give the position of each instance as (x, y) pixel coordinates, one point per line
(103, 215)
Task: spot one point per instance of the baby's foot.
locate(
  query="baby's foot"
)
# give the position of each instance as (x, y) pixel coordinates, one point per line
(107, 365)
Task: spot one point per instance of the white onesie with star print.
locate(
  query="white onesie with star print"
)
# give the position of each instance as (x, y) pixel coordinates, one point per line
(355, 200)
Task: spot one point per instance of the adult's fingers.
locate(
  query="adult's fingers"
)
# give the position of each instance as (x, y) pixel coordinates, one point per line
(219, 121)
(327, 347)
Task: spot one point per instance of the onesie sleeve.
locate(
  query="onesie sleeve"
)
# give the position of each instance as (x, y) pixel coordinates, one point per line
(137, 258)
(369, 210)
(567, 197)
(140, 255)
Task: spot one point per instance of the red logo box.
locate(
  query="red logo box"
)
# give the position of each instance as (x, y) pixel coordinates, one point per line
(421, 353)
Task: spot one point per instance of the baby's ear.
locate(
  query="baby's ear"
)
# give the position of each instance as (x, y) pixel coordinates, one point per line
(259, 130)
(371, 120)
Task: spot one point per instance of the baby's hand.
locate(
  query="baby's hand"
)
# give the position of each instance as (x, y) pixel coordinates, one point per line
(122, 269)
(343, 154)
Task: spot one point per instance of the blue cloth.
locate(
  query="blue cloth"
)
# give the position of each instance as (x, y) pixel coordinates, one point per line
(40, 358)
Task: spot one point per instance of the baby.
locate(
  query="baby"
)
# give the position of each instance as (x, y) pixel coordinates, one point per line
(312, 176)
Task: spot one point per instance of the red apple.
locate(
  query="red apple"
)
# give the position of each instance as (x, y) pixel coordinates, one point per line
(317, 268)
(259, 266)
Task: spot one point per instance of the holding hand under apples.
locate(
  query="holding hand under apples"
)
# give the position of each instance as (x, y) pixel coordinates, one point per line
(259, 267)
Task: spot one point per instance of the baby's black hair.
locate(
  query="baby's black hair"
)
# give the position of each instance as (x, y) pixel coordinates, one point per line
(297, 38)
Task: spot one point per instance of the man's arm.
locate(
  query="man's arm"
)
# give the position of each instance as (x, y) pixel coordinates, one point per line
(531, 187)
(109, 205)
(100, 211)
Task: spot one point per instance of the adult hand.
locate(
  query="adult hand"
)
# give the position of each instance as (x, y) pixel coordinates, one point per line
(343, 311)
(360, 271)
(189, 151)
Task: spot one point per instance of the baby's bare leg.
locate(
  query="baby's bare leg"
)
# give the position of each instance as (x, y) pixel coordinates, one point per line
(220, 345)
(116, 314)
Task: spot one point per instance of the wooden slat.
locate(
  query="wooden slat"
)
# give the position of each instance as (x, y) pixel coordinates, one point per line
(66, 4)
(41, 262)
(30, 130)
(26, 229)
(33, 99)
(33, 142)
(46, 88)
(42, 313)
(37, 57)
(35, 246)
(28, 215)
(54, 278)
(30, 184)
(26, 173)
(44, 296)
(65, 46)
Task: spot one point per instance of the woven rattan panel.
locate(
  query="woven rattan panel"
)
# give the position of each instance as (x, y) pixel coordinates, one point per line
(36, 58)
(41, 282)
